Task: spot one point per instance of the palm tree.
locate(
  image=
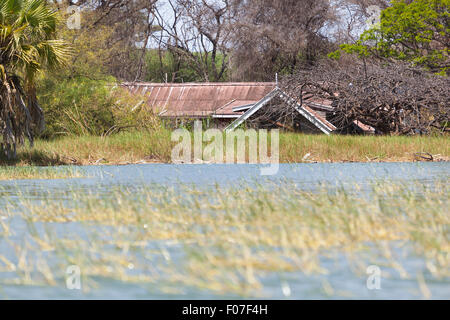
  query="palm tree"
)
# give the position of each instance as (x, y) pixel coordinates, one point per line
(27, 47)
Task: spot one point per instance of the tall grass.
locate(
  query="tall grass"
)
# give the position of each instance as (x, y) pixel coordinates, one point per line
(155, 145)
(123, 148)
(337, 148)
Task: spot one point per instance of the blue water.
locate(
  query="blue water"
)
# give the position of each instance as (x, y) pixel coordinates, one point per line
(306, 176)
(102, 180)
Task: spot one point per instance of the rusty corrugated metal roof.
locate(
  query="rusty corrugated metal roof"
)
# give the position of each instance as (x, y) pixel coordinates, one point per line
(199, 99)
(323, 120)
(228, 108)
(364, 127)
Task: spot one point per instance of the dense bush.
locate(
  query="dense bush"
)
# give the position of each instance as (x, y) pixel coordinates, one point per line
(81, 106)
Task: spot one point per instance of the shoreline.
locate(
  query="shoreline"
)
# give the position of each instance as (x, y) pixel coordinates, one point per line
(143, 162)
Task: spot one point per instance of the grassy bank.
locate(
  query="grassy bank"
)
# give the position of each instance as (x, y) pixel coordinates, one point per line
(156, 146)
(339, 148)
(227, 241)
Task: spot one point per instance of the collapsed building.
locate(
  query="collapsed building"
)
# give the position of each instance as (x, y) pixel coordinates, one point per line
(231, 105)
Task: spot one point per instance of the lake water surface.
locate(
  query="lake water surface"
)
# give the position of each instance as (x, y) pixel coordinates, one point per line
(102, 180)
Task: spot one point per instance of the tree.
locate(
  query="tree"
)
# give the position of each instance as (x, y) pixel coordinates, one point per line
(417, 31)
(113, 37)
(278, 36)
(28, 46)
(351, 17)
(196, 33)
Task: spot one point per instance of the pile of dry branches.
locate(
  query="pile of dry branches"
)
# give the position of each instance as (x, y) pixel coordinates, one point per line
(394, 98)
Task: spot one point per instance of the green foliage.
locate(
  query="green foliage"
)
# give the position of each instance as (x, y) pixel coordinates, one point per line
(83, 99)
(415, 31)
(82, 106)
(27, 30)
(161, 63)
(28, 46)
(178, 68)
(92, 48)
(76, 106)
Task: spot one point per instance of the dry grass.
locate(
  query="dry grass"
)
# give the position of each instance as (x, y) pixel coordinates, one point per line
(338, 148)
(121, 148)
(232, 237)
(156, 146)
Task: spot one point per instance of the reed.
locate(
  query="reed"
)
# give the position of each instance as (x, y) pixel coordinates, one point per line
(23, 173)
(227, 240)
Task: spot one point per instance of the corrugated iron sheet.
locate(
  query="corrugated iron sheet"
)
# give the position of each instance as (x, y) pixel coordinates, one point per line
(199, 99)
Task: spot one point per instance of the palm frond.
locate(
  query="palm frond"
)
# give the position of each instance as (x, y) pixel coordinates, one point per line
(27, 46)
